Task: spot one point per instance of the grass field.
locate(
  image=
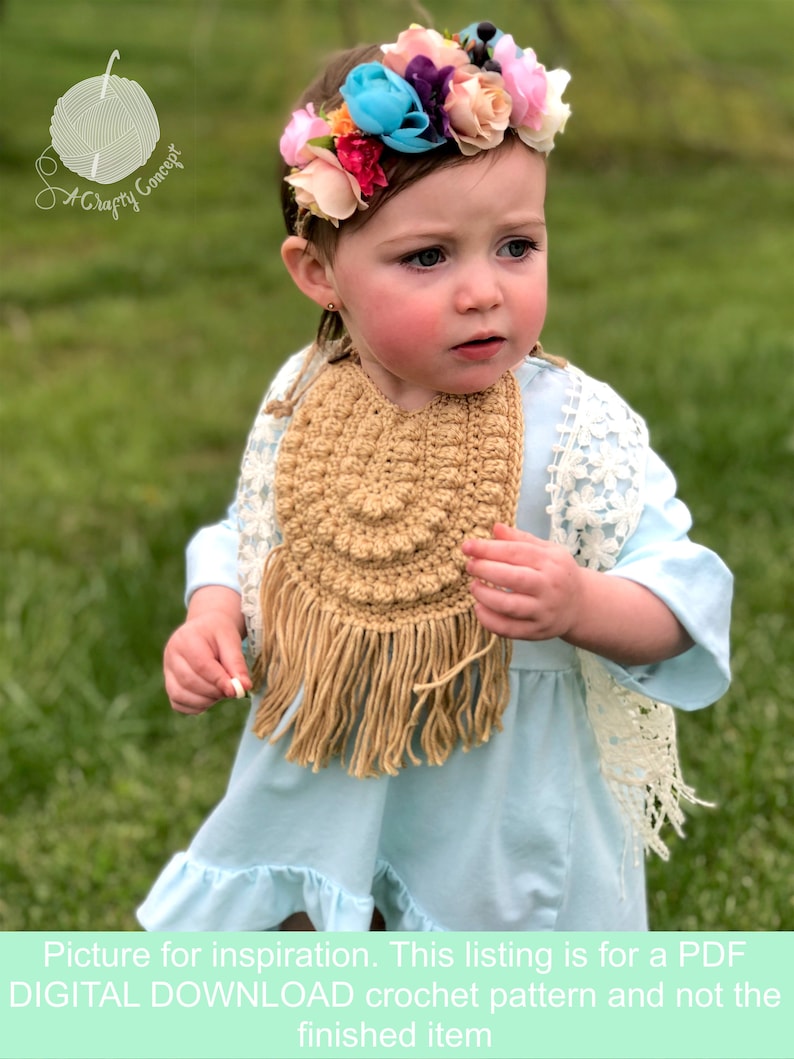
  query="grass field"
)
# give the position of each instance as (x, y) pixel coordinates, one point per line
(134, 353)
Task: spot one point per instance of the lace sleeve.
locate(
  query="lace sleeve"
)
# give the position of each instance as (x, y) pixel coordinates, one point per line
(595, 480)
(256, 515)
(596, 487)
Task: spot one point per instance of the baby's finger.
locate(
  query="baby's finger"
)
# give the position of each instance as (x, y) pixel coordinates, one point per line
(502, 625)
(510, 604)
(200, 680)
(517, 553)
(187, 699)
(210, 677)
(227, 686)
(237, 682)
(191, 694)
(191, 704)
(503, 532)
(510, 577)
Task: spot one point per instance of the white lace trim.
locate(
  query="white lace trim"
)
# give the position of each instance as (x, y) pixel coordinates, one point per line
(256, 510)
(595, 485)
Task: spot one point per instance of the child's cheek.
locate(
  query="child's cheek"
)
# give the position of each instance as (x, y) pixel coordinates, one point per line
(415, 328)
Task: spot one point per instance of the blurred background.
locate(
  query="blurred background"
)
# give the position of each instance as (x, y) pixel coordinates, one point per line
(135, 351)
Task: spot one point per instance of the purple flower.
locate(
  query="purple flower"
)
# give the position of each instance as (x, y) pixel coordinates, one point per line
(431, 85)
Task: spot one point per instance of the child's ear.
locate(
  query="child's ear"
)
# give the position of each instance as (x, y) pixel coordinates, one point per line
(309, 273)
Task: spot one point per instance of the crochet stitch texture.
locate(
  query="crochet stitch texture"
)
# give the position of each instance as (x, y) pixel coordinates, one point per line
(601, 444)
(366, 601)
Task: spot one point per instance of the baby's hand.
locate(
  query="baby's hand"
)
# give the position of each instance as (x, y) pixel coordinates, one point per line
(526, 588)
(203, 659)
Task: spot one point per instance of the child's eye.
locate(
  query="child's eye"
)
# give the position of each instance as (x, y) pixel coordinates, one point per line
(427, 258)
(518, 248)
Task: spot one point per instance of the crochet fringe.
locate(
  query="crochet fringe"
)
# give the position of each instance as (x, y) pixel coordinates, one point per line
(442, 681)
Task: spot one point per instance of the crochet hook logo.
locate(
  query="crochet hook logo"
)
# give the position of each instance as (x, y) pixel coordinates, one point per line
(103, 129)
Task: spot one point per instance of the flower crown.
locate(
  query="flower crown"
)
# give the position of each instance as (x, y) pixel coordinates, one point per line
(429, 90)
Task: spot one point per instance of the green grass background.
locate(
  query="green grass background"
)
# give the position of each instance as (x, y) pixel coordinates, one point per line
(134, 353)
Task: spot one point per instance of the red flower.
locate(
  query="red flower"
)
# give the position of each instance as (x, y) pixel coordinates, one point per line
(359, 156)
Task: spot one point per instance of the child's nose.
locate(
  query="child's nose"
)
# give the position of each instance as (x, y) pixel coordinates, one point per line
(478, 289)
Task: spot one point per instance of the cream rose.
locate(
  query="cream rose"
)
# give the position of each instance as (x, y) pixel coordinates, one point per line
(478, 108)
(325, 188)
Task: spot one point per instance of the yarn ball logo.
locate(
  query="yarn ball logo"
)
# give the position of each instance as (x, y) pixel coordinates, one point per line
(105, 128)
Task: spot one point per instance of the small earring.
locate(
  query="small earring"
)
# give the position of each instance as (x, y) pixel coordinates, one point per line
(330, 307)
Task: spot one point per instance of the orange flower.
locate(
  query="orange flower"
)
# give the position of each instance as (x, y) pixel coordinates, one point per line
(340, 121)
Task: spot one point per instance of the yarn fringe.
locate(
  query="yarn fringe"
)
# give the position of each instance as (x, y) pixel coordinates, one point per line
(374, 693)
(315, 360)
(539, 353)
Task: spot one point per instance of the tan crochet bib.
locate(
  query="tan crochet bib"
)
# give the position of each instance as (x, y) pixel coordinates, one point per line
(366, 604)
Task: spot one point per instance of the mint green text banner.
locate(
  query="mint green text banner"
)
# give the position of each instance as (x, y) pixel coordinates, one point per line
(240, 996)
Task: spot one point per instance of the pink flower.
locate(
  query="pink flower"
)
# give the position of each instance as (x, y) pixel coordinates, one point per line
(359, 155)
(420, 41)
(304, 125)
(325, 188)
(555, 114)
(525, 80)
(478, 107)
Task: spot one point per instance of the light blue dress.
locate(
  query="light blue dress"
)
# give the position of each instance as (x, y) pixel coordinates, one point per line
(521, 834)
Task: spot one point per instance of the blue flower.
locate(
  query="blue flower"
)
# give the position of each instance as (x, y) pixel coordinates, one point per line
(383, 104)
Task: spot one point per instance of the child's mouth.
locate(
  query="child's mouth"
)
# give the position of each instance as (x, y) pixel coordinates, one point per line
(480, 348)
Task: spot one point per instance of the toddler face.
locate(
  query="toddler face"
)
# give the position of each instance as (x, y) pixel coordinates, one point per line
(445, 288)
